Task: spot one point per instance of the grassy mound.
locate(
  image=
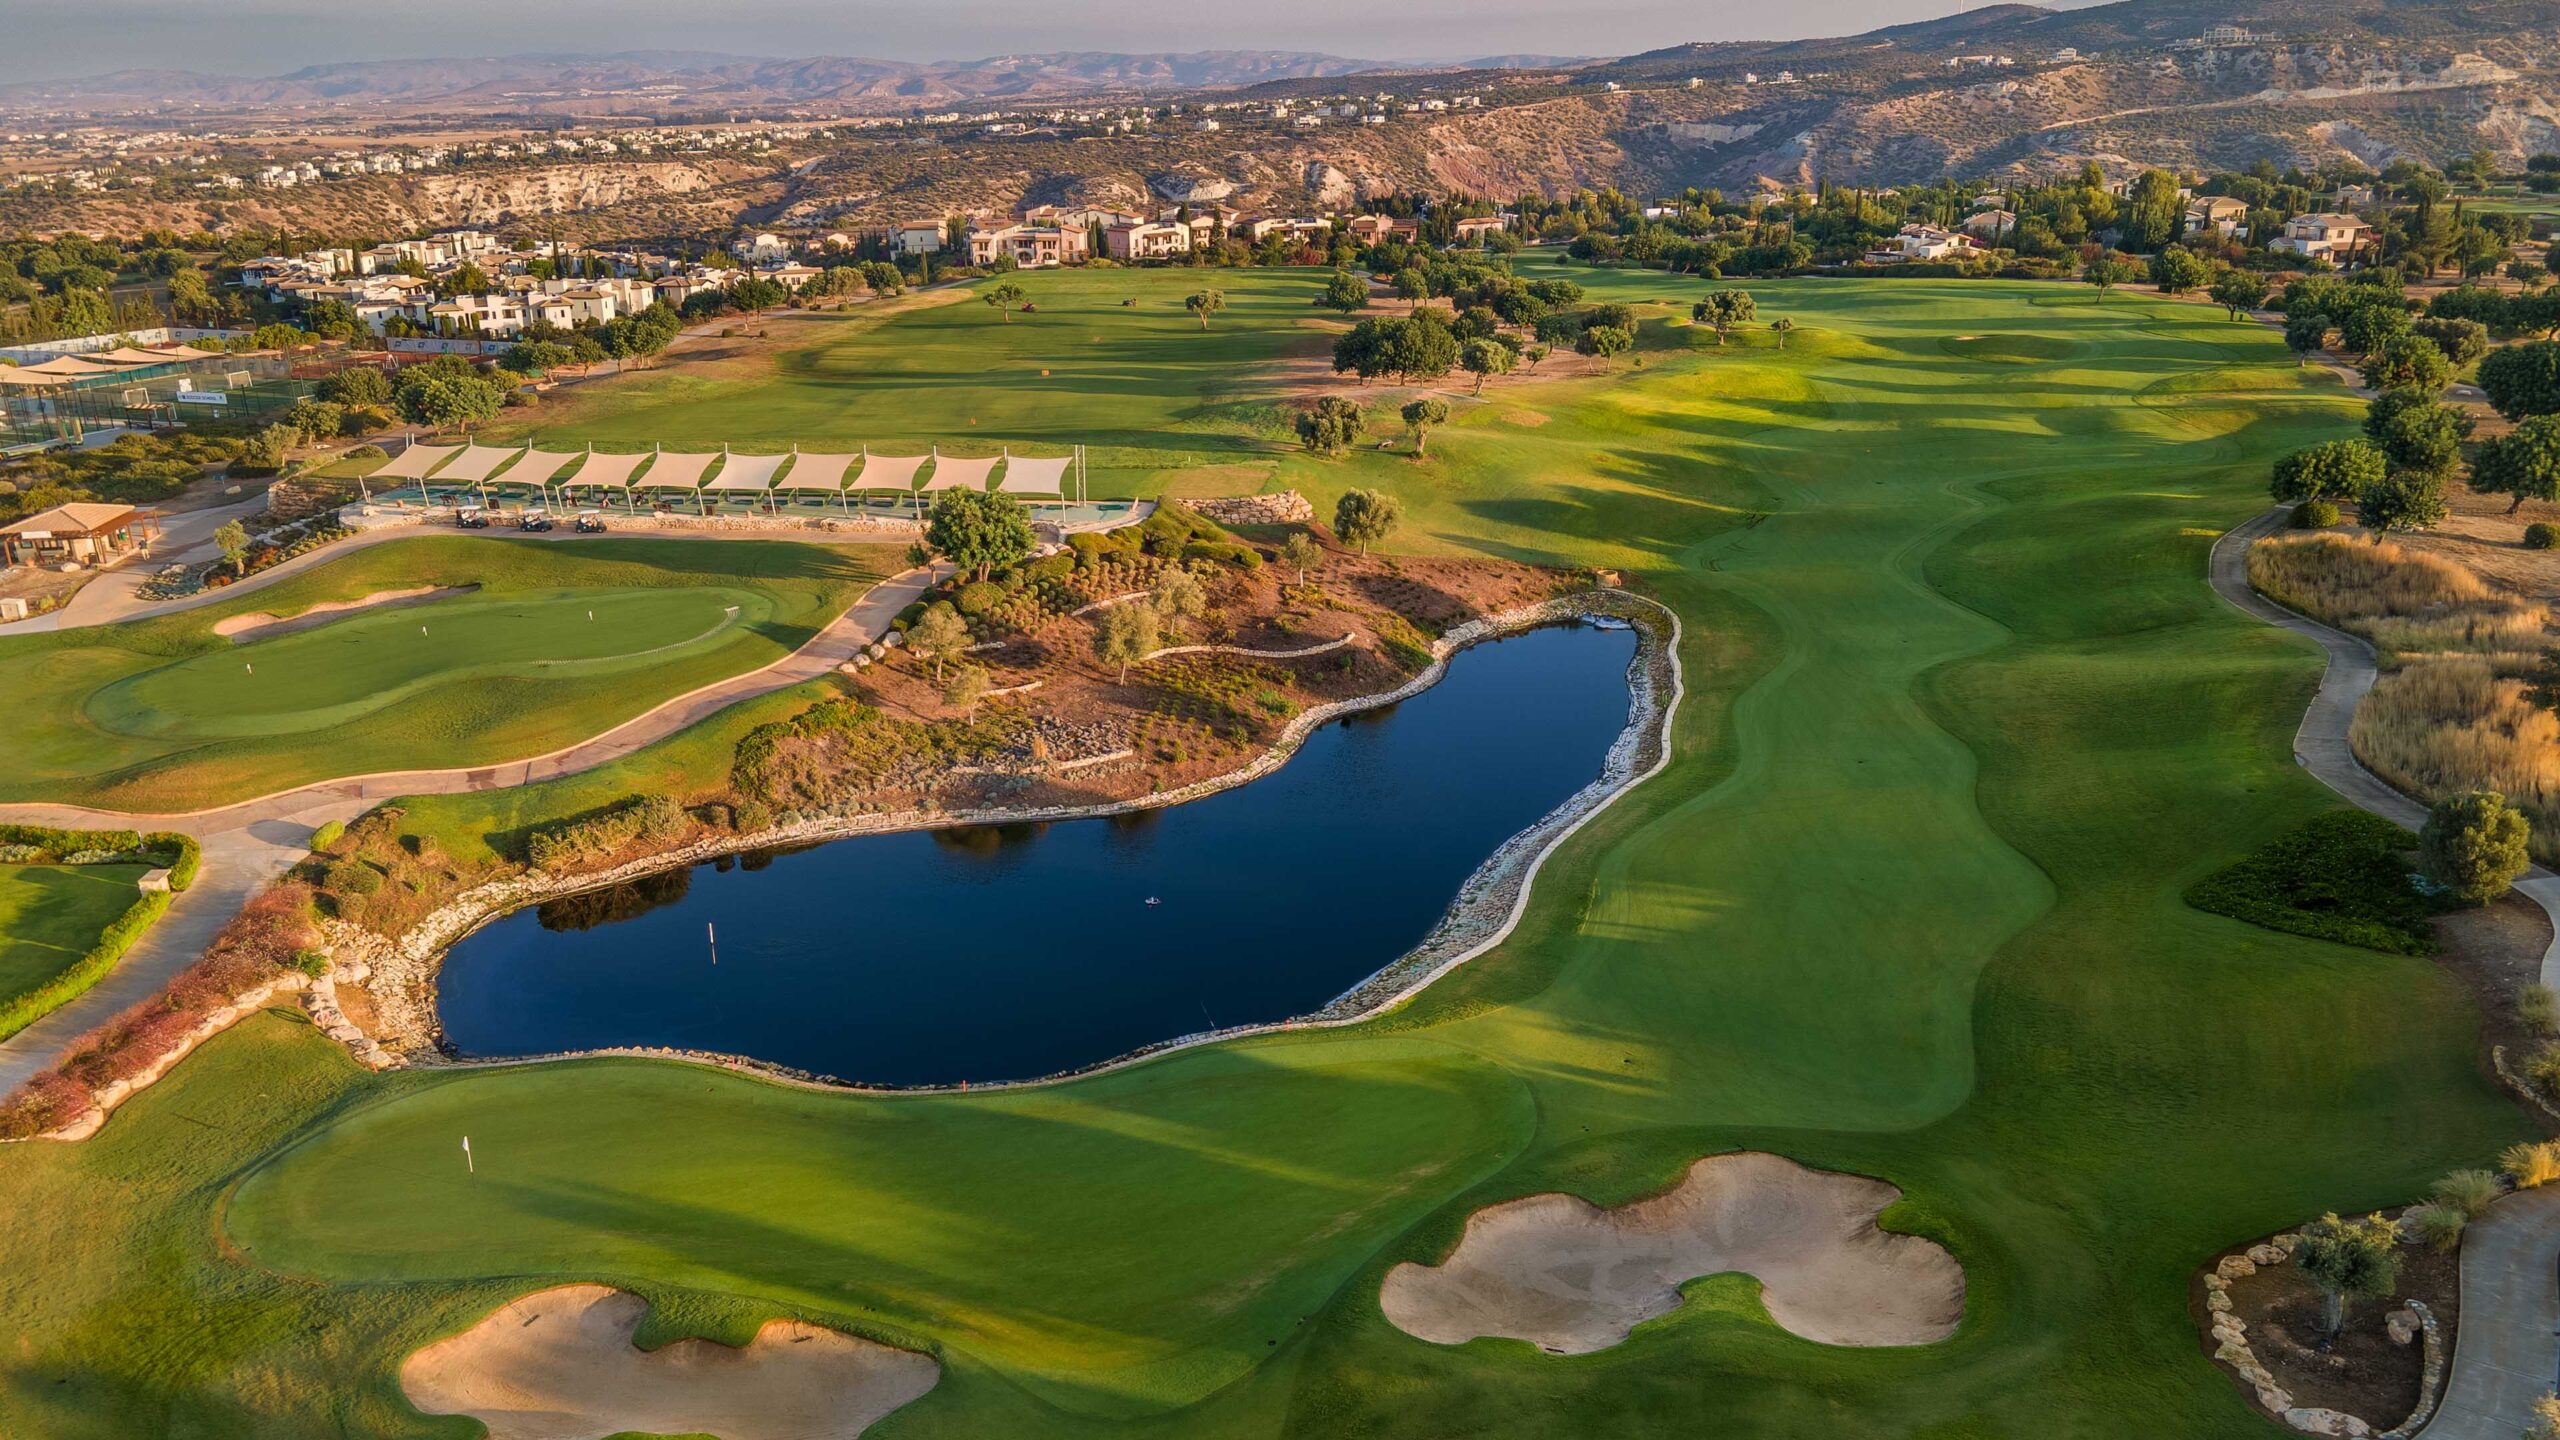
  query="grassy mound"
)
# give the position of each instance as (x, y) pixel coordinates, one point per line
(2343, 876)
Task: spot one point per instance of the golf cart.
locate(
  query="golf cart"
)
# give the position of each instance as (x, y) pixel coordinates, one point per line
(534, 520)
(471, 517)
(590, 522)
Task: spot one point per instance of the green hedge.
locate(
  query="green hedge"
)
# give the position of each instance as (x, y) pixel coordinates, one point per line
(89, 969)
(2342, 876)
(178, 853)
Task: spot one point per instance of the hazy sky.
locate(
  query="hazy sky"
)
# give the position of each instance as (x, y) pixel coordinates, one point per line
(58, 39)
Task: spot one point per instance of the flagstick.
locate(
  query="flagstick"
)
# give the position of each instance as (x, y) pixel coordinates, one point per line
(714, 937)
(469, 1167)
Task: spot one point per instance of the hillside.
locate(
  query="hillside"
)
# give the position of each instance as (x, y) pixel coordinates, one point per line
(2122, 84)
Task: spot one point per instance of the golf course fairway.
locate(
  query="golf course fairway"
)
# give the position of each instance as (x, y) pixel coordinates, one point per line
(1962, 720)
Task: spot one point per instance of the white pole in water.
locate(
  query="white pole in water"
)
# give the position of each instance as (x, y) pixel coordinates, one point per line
(468, 1166)
(713, 935)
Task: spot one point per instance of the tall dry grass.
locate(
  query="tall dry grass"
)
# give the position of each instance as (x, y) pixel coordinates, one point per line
(2408, 604)
(2436, 726)
(2449, 712)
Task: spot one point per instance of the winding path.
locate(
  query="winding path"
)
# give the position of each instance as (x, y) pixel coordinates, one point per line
(2507, 1345)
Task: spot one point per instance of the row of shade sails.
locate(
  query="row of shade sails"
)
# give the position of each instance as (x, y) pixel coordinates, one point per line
(723, 472)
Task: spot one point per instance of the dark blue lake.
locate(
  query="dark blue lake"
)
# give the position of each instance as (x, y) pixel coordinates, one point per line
(1001, 953)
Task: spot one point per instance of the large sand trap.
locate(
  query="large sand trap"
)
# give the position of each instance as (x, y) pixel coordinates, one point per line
(559, 1365)
(260, 625)
(1572, 1278)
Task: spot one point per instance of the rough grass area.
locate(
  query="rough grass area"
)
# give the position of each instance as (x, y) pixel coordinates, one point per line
(1964, 723)
(2408, 604)
(2343, 876)
(559, 642)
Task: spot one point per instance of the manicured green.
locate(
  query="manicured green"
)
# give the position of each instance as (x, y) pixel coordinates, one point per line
(558, 642)
(2344, 876)
(1964, 724)
(51, 914)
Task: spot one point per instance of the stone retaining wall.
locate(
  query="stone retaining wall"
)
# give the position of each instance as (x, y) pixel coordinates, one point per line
(2231, 1348)
(1287, 507)
(402, 972)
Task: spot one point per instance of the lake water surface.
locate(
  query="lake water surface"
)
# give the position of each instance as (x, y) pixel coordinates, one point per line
(1010, 952)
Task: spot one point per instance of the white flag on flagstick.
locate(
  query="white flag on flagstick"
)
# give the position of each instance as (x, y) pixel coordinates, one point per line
(467, 1165)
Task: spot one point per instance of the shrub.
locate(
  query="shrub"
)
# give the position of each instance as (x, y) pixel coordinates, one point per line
(2469, 1191)
(749, 816)
(979, 597)
(2474, 844)
(2438, 1225)
(328, 835)
(1090, 549)
(2532, 1163)
(350, 877)
(2538, 1009)
(2541, 535)
(1050, 567)
(1243, 557)
(2314, 515)
(2542, 1071)
(311, 962)
(2339, 876)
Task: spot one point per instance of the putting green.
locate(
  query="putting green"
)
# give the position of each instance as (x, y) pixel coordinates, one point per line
(1963, 723)
(169, 714)
(340, 673)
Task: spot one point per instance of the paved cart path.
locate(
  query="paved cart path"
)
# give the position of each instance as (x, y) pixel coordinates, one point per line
(2505, 1346)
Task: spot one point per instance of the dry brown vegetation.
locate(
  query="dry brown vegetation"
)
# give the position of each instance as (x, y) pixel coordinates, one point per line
(2451, 712)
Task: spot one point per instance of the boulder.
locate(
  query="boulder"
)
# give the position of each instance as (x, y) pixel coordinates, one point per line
(2219, 1302)
(2265, 1255)
(2275, 1399)
(2312, 1421)
(2402, 1325)
(2235, 1266)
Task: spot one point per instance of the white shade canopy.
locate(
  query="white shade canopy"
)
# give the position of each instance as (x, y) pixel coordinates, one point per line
(817, 472)
(476, 463)
(677, 470)
(606, 472)
(416, 462)
(538, 466)
(888, 472)
(752, 473)
(953, 473)
(1035, 475)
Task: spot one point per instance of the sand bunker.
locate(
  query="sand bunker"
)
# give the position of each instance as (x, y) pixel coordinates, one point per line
(1572, 1278)
(559, 1365)
(259, 625)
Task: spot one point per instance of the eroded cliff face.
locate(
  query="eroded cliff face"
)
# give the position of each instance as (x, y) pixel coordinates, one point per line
(496, 197)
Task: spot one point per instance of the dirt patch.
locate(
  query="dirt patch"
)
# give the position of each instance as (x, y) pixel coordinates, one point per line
(559, 1365)
(2480, 535)
(260, 625)
(2364, 1372)
(1571, 1278)
(2495, 951)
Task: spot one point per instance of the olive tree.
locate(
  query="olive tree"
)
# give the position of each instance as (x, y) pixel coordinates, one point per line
(1205, 303)
(2474, 845)
(937, 635)
(1724, 309)
(2307, 335)
(1301, 553)
(1364, 517)
(2348, 1259)
(1128, 634)
(1422, 414)
(233, 539)
(1004, 297)
(1484, 358)
(2408, 361)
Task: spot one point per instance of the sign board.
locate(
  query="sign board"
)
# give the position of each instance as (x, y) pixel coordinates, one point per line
(202, 397)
